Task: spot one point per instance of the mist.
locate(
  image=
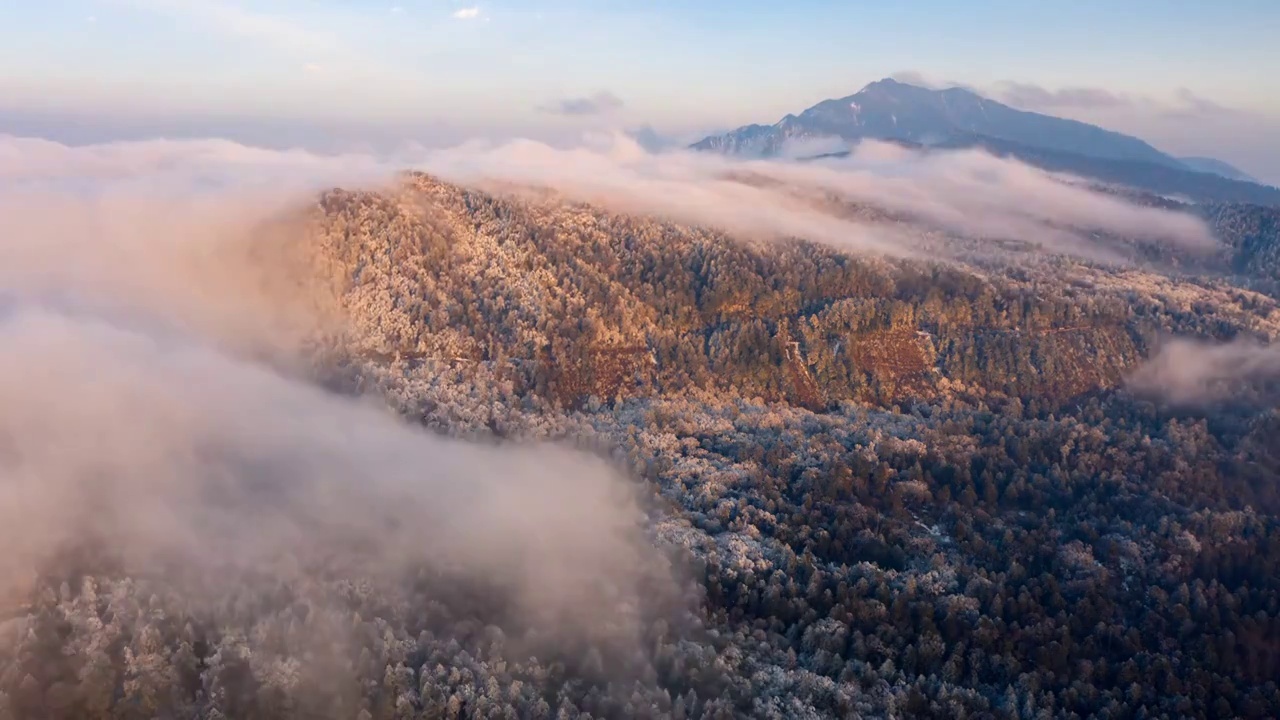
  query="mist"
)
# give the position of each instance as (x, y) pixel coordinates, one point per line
(159, 297)
(987, 200)
(1192, 372)
(171, 469)
(158, 421)
(178, 456)
(940, 204)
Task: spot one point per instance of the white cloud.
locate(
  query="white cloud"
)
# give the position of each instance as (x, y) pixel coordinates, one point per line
(1181, 123)
(972, 193)
(983, 198)
(469, 13)
(139, 289)
(599, 103)
(1190, 372)
(133, 290)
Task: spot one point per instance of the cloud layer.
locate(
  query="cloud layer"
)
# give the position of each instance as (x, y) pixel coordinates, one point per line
(991, 201)
(1183, 123)
(153, 298)
(175, 455)
(596, 104)
(1032, 96)
(968, 192)
(1028, 95)
(1191, 372)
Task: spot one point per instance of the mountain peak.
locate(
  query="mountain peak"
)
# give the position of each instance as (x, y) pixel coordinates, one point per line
(896, 111)
(889, 109)
(883, 83)
(888, 87)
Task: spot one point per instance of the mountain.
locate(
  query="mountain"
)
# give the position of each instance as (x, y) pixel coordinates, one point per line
(895, 110)
(1217, 167)
(1150, 177)
(656, 141)
(650, 139)
(861, 489)
(958, 118)
(686, 292)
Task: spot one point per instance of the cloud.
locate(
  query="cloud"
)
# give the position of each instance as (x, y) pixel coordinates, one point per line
(808, 147)
(155, 302)
(911, 77)
(1028, 95)
(1184, 104)
(175, 454)
(1193, 372)
(156, 298)
(1032, 96)
(988, 200)
(1185, 122)
(1189, 105)
(174, 165)
(161, 228)
(919, 79)
(467, 13)
(971, 193)
(597, 104)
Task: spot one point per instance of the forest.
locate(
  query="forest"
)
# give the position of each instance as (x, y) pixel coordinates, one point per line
(867, 487)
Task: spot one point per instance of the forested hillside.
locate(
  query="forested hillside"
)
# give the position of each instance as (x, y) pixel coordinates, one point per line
(572, 296)
(1253, 234)
(870, 487)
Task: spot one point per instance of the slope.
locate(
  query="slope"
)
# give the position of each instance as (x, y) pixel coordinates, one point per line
(878, 489)
(957, 117)
(1217, 167)
(894, 110)
(576, 303)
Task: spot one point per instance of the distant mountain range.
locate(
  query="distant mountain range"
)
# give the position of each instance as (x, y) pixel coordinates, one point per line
(957, 117)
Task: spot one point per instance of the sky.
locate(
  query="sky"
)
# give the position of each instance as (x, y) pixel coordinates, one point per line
(1188, 75)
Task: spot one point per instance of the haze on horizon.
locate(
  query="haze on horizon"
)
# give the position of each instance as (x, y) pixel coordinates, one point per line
(327, 74)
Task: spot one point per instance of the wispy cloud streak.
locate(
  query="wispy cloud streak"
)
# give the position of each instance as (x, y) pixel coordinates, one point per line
(842, 202)
(1189, 372)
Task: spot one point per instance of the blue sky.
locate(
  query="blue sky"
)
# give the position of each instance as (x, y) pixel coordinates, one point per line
(1190, 72)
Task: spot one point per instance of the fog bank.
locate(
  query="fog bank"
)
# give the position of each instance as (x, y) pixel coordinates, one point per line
(1185, 371)
(152, 297)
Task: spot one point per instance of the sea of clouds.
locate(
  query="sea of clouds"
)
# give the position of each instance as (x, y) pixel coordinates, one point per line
(136, 295)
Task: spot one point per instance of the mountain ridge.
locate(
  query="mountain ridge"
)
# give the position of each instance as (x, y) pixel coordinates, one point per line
(1214, 166)
(1147, 177)
(957, 117)
(892, 109)
(837, 474)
